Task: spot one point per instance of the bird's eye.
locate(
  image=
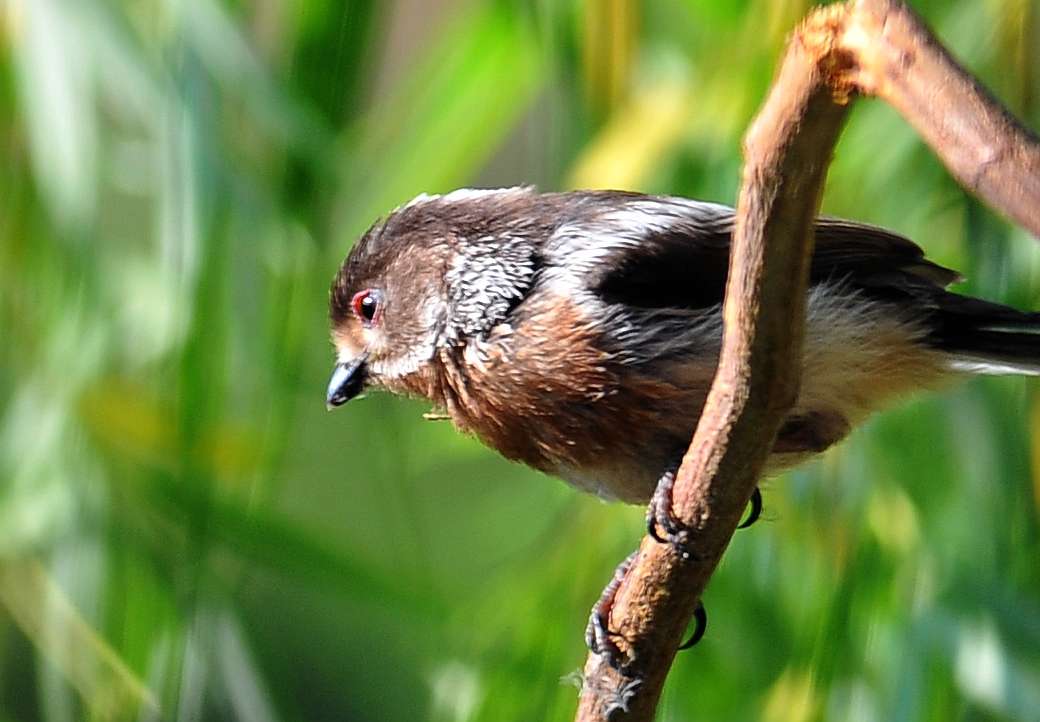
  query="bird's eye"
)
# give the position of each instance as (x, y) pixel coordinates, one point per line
(367, 306)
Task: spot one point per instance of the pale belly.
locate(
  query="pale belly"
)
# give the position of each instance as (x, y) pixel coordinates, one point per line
(632, 484)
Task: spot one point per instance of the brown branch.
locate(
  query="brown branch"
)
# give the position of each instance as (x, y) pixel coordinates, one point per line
(982, 145)
(869, 46)
(787, 151)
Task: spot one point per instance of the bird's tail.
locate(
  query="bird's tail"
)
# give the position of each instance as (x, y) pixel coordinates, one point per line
(987, 338)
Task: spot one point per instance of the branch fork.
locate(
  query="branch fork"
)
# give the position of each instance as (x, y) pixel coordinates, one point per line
(839, 52)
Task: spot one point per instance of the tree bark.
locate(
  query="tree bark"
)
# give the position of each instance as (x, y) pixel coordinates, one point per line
(867, 47)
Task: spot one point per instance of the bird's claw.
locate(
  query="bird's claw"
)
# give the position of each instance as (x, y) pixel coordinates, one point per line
(700, 616)
(598, 635)
(756, 510)
(663, 525)
(666, 528)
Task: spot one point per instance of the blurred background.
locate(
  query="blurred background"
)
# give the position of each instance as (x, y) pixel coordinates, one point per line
(186, 534)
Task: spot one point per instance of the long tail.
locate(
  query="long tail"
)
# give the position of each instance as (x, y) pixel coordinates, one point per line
(986, 338)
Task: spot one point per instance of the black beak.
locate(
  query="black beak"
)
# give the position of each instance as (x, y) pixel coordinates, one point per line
(347, 382)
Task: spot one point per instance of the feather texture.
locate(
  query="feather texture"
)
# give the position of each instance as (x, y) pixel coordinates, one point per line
(579, 332)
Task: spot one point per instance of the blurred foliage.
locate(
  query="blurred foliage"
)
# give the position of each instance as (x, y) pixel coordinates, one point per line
(186, 534)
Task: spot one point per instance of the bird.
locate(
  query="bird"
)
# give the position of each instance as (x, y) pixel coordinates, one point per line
(579, 332)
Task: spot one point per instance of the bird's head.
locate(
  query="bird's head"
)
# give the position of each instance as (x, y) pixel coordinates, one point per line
(437, 272)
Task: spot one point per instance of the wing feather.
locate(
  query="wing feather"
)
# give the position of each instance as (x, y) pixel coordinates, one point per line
(661, 252)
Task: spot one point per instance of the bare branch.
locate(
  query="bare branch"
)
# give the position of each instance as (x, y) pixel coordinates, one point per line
(875, 46)
(787, 151)
(984, 147)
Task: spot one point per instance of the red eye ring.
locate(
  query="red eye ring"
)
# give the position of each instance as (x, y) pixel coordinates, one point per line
(367, 306)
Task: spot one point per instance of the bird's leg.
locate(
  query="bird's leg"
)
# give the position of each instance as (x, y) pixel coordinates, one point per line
(665, 527)
(659, 516)
(661, 523)
(598, 633)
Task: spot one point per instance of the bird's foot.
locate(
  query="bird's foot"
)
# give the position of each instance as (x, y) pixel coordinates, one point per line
(663, 525)
(598, 635)
(599, 638)
(666, 528)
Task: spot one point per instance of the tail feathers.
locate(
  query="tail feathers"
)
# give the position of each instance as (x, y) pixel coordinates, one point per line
(993, 365)
(987, 338)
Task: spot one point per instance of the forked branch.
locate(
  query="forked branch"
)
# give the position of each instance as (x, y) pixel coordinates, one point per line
(874, 47)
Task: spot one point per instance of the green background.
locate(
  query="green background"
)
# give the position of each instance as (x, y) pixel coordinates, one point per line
(186, 534)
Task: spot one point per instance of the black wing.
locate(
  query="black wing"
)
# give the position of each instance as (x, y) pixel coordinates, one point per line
(674, 253)
(653, 252)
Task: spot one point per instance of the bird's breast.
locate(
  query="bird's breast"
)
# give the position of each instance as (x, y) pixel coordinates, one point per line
(546, 392)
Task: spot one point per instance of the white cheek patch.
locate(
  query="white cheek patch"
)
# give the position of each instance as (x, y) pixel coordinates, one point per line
(393, 368)
(389, 363)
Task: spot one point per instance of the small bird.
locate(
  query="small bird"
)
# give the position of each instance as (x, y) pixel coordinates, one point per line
(579, 332)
